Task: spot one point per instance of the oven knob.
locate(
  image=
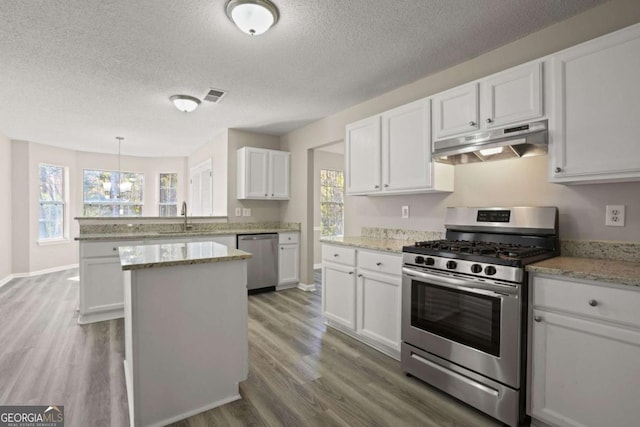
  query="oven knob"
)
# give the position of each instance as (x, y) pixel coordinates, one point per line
(490, 270)
(419, 260)
(476, 268)
(429, 261)
(451, 265)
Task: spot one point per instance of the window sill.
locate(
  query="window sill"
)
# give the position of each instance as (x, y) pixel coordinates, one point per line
(52, 242)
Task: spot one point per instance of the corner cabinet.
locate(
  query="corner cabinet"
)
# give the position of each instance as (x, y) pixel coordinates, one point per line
(596, 126)
(584, 353)
(361, 295)
(263, 174)
(390, 153)
(505, 98)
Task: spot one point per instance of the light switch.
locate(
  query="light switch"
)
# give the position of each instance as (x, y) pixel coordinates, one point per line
(405, 212)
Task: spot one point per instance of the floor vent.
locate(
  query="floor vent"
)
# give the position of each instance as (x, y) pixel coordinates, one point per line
(214, 95)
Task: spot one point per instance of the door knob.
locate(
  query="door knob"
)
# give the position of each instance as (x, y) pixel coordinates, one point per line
(537, 319)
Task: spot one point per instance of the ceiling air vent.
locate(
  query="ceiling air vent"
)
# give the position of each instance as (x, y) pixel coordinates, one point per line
(214, 95)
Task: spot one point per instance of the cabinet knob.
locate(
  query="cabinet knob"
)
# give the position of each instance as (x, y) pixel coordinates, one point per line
(359, 275)
(281, 248)
(489, 120)
(265, 194)
(271, 194)
(472, 123)
(386, 185)
(378, 264)
(537, 319)
(593, 303)
(351, 272)
(115, 249)
(336, 255)
(558, 170)
(376, 186)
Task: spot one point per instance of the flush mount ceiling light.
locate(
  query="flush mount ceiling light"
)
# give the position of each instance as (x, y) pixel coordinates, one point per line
(252, 16)
(185, 103)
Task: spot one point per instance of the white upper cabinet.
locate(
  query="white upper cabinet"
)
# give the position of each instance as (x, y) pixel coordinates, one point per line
(263, 174)
(362, 156)
(455, 111)
(596, 126)
(511, 96)
(390, 153)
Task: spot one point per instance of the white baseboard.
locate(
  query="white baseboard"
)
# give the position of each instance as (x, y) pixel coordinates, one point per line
(306, 288)
(317, 266)
(287, 286)
(35, 273)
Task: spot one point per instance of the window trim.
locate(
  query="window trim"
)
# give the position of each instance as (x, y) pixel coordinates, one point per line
(65, 208)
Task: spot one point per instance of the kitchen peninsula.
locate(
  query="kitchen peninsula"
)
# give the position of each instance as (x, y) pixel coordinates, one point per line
(186, 339)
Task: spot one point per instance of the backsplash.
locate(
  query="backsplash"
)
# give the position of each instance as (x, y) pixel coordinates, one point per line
(178, 227)
(400, 234)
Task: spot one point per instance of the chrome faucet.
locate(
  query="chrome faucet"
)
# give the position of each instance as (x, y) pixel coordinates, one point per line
(183, 212)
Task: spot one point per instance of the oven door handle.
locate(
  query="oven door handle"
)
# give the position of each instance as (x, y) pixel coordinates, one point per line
(459, 284)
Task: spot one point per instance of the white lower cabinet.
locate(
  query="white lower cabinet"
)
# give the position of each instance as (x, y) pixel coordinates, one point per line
(288, 258)
(361, 295)
(585, 353)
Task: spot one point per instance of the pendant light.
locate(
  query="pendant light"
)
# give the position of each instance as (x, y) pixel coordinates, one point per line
(122, 186)
(253, 17)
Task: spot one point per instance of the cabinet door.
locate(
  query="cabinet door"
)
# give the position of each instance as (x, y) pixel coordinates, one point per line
(456, 111)
(279, 174)
(406, 147)
(584, 373)
(379, 300)
(512, 96)
(102, 285)
(339, 294)
(288, 261)
(362, 156)
(256, 173)
(597, 106)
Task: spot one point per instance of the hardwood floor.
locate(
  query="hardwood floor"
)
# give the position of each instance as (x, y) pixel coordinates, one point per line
(300, 373)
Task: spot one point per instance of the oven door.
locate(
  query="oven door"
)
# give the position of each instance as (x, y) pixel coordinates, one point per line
(472, 323)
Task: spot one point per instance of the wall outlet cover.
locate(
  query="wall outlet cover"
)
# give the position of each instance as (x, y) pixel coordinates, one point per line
(238, 211)
(246, 211)
(405, 212)
(615, 216)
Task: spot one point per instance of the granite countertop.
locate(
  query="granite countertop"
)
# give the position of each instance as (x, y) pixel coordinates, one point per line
(172, 254)
(604, 270)
(387, 245)
(170, 234)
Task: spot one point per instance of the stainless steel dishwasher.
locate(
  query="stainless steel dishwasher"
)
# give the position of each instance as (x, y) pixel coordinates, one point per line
(262, 268)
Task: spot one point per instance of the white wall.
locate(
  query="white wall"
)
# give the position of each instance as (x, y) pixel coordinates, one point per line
(330, 161)
(6, 237)
(582, 208)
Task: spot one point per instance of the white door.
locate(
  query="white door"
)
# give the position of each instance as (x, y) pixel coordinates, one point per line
(279, 174)
(455, 111)
(512, 96)
(201, 190)
(257, 173)
(597, 109)
(362, 156)
(584, 373)
(288, 264)
(339, 294)
(406, 147)
(379, 302)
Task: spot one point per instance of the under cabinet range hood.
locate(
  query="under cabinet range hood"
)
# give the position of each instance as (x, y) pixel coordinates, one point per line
(530, 139)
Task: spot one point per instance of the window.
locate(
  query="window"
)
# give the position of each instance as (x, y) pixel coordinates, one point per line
(105, 193)
(52, 202)
(331, 202)
(168, 194)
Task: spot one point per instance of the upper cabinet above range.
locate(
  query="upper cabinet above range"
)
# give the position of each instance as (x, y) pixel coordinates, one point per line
(390, 153)
(505, 98)
(263, 174)
(595, 131)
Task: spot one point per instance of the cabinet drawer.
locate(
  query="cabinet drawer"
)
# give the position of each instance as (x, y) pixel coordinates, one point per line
(104, 249)
(339, 254)
(284, 238)
(600, 302)
(381, 262)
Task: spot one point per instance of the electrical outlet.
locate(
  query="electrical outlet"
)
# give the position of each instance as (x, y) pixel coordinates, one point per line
(246, 211)
(615, 216)
(405, 212)
(238, 211)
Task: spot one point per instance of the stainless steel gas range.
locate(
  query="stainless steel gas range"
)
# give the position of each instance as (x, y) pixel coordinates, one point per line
(464, 305)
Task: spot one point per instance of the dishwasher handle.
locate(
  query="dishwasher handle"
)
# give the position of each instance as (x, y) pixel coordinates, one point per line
(258, 237)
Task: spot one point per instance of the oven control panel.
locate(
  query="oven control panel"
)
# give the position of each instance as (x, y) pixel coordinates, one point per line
(472, 268)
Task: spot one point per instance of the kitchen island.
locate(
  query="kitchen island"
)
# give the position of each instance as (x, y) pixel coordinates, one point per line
(186, 341)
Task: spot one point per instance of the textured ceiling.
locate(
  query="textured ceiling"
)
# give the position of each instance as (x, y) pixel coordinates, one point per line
(77, 73)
